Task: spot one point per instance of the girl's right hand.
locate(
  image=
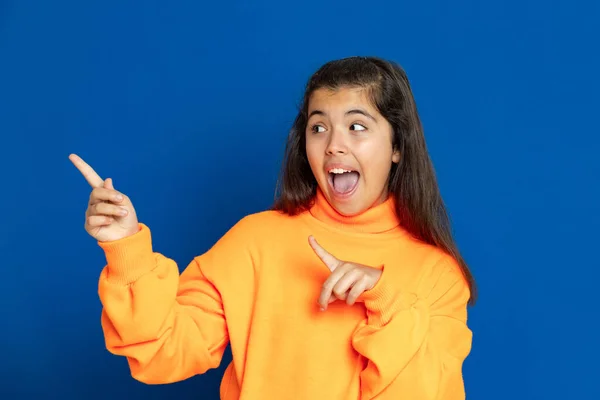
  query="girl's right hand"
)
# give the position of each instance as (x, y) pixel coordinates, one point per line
(110, 214)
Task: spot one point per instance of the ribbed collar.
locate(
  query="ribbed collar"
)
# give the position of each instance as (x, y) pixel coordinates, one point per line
(378, 219)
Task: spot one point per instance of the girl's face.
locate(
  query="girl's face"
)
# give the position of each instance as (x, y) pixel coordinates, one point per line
(349, 149)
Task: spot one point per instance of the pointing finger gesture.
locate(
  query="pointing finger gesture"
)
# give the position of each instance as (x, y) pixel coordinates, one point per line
(347, 280)
(110, 214)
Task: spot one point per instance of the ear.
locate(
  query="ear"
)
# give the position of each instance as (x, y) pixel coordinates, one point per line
(396, 156)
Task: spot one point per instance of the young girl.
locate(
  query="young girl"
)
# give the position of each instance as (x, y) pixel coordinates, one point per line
(350, 288)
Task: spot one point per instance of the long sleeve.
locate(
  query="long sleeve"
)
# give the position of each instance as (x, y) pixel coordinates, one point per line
(168, 325)
(415, 342)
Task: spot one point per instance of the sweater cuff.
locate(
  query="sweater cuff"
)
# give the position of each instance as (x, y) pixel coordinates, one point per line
(130, 257)
(385, 299)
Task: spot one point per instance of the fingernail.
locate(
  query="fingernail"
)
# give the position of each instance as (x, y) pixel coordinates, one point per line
(119, 197)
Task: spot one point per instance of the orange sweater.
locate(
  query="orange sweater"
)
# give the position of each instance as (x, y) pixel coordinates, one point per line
(257, 289)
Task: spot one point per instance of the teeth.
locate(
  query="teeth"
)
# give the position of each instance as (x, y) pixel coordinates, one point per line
(338, 171)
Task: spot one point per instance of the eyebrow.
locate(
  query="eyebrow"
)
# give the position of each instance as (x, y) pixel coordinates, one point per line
(349, 112)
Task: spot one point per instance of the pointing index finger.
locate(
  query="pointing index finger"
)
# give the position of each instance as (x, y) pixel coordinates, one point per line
(88, 172)
(329, 260)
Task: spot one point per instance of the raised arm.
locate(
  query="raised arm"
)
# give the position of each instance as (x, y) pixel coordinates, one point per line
(169, 326)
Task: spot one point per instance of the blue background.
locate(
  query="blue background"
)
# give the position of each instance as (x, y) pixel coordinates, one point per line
(187, 106)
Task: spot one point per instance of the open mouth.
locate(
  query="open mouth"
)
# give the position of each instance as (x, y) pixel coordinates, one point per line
(343, 181)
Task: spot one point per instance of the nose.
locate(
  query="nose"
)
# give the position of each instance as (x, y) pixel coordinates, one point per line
(337, 143)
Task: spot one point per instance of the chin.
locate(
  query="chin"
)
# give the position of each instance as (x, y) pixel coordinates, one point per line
(348, 210)
(347, 207)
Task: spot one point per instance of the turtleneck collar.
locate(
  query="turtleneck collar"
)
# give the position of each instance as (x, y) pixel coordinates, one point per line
(378, 219)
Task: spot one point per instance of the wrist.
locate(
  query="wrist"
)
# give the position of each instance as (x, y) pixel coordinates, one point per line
(129, 257)
(386, 298)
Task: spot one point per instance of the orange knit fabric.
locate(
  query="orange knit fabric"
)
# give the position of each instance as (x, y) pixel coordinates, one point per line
(257, 289)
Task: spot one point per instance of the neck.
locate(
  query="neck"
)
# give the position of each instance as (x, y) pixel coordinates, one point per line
(377, 219)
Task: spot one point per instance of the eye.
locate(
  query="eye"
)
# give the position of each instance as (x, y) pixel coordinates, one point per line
(358, 127)
(315, 129)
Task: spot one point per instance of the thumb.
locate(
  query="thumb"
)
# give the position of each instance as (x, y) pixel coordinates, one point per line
(108, 184)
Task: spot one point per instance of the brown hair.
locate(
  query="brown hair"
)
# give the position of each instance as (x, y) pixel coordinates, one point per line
(412, 181)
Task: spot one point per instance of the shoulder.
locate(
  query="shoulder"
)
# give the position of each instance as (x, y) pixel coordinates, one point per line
(251, 230)
(265, 217)
(427, 255)
(261, 222)
(240, 246)
(432, 267)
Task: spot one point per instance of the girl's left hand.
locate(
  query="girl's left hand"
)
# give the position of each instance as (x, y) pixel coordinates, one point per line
(347, 280)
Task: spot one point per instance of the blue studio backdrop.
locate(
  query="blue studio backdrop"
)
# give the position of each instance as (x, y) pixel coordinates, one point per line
(186, 106)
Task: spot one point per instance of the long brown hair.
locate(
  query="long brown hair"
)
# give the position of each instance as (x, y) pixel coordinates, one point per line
(412, 181)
